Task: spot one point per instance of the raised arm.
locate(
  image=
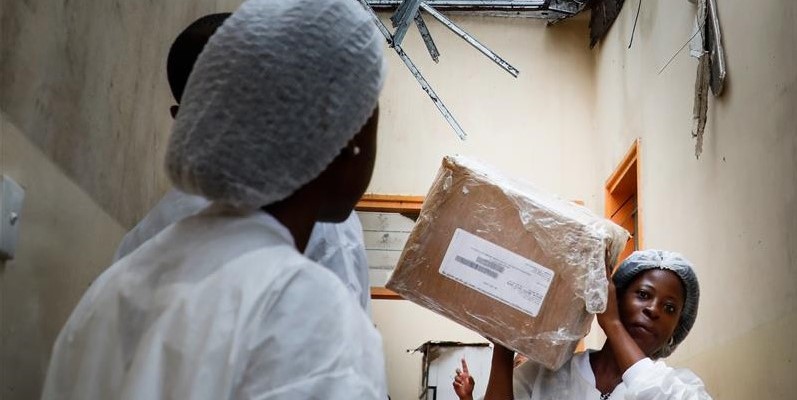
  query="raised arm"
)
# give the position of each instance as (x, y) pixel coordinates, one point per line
(499, 386)
(625, 349)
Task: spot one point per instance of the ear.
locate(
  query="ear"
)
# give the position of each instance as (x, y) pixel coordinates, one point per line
(352, 149)
(173, 110)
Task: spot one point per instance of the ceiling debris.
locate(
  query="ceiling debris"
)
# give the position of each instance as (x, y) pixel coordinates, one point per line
(602, 16)
(541, 9)
(716, 48)
(706, 46)
(408, 12)
(705, 43)
(701, 102)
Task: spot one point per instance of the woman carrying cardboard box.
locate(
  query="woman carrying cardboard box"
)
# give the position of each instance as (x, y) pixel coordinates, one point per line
(653, 299)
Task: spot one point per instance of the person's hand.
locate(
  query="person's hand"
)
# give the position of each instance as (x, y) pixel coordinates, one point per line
(464, 383)
(611, 317)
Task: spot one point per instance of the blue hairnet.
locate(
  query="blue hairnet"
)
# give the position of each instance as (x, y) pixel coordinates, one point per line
(641, 261)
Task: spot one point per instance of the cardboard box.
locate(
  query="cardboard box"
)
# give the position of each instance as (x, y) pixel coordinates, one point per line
(515, 264)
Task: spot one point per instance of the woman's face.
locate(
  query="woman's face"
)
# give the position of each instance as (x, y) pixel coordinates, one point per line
(351, 173)
(650, 308)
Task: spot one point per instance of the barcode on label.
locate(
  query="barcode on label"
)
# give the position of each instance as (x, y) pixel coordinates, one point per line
(477, 267)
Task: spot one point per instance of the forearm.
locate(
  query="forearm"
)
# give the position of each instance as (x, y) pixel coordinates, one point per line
(625, 350)
(499, 387)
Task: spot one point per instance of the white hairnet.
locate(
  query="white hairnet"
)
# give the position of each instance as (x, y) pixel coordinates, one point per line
(643, 260)
(278, 91)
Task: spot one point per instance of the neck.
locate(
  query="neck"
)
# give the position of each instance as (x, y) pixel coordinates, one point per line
(298, 215)
(606, 369)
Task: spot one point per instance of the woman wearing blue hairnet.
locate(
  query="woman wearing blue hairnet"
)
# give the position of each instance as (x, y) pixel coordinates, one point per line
(653, 299)
(277, 129)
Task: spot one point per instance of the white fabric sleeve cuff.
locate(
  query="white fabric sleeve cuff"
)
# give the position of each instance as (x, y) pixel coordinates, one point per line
(633, 372)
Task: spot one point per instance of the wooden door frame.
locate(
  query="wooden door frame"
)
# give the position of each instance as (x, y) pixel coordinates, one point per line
(630, 164)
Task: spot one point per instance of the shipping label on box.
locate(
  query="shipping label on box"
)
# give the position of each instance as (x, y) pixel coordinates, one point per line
(496, 272)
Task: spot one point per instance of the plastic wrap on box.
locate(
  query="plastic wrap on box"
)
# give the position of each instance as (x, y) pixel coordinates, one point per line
(517, 265)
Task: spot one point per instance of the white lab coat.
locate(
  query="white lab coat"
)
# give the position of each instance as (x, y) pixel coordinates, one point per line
(220, 305)
(339, 247)
(645, 380)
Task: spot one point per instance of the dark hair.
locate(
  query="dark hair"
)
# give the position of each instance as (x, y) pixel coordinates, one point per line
(186, 49)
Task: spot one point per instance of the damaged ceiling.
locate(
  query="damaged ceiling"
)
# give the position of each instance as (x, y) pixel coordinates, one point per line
(408, 12)
(543, 9)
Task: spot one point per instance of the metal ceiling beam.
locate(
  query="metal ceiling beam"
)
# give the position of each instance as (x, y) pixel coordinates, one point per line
(427, 38)
(471, 40)
(415, 72)
(470, 4)
(404, 15)
(550, 10)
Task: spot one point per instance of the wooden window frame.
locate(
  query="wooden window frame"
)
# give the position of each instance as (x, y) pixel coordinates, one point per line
(409, 206)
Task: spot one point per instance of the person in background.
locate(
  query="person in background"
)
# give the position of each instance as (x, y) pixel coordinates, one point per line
(277, 128)
(653, 300)
(337, 246)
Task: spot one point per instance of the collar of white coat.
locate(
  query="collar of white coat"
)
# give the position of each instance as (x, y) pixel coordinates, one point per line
(261, 216)
(583, 367)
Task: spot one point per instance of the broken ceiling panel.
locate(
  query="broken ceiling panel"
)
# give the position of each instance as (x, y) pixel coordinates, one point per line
(602, 16)
(544, 9)
(471, 40)
(416, 73)
(407, 12)
(716, 48)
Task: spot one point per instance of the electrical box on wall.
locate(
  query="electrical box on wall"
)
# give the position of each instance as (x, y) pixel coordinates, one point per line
(11, 198)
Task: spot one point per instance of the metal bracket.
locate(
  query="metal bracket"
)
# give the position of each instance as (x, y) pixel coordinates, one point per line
(427, 37)
(414, 70)
(401, 19)
(409, 10)
(471, 40)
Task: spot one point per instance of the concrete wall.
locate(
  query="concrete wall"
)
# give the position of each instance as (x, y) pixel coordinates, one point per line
(65, 241)
(85, 82)
(84, 108)
(733, 212)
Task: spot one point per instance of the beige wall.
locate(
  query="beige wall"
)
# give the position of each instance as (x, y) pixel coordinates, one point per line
(733, 212)
(405, 326)
(536, 127)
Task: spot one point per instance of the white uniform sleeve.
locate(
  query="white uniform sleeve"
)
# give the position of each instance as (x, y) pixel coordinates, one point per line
(523, 379)
(341, 249)
(648, 380)
(314, 342)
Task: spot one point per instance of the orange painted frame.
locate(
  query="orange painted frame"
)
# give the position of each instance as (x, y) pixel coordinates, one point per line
(389, 203)
(626, 181)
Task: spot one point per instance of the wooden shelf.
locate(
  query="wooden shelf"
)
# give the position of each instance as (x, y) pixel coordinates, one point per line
(390, 203)
(380, 293)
